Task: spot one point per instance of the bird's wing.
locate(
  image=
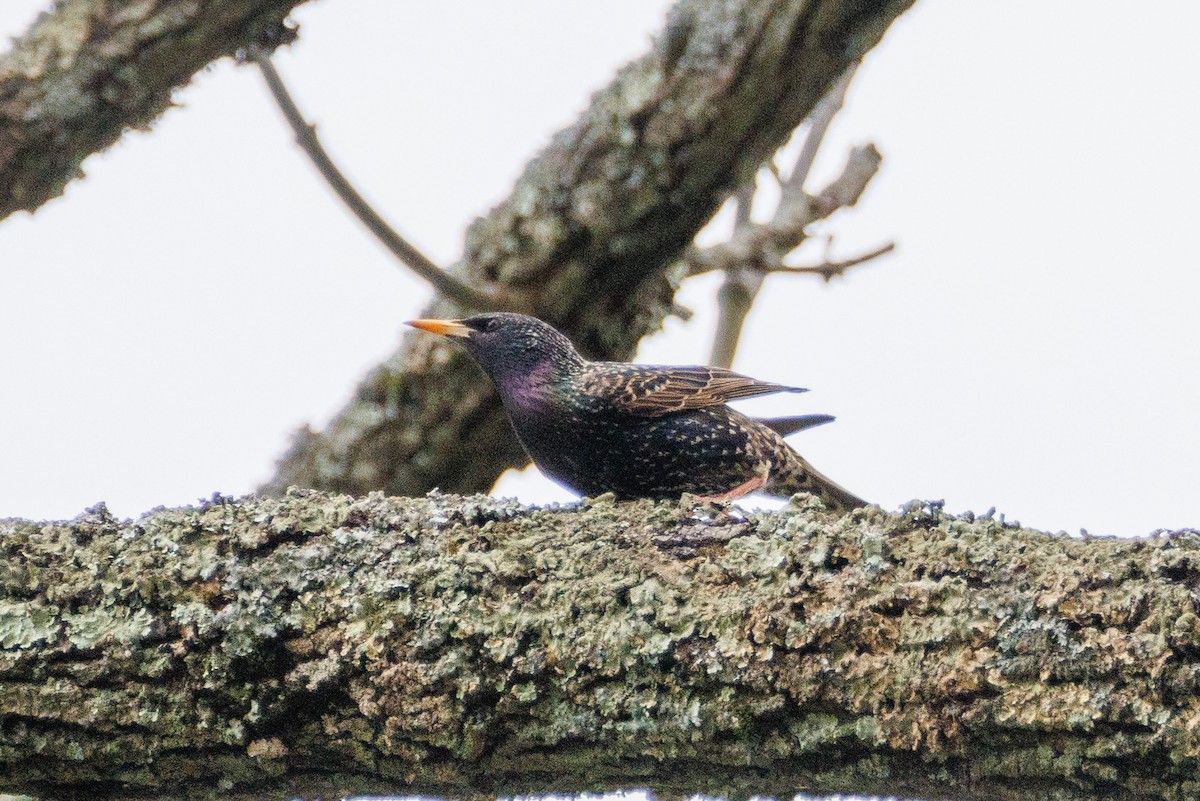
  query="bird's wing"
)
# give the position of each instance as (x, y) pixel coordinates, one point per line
(654, 391)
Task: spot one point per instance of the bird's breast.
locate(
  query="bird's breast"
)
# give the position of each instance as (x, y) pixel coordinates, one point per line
(593, 449)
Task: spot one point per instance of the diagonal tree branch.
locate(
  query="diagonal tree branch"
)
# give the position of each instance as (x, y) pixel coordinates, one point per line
(593, 229)
(324, 646)
(446, 285)
(88, 70)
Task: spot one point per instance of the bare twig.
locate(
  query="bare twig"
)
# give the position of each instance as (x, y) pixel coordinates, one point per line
(818, 125)
(306, 136)
(745, 205)
(682, 312)
(828, 269)
(738, 292)
(755, 250)
(767, 244)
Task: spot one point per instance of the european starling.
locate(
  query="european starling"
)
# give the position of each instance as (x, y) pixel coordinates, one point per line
(637, 431)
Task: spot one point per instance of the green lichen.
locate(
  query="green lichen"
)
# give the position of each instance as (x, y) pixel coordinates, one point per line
(23, 624)
(448, 642)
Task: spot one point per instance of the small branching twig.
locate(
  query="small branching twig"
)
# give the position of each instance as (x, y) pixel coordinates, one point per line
(765, 245)
(306, 136)
(754, 250)
(828, 269)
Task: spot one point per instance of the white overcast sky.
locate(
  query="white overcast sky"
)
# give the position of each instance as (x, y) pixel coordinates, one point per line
(1033, 345)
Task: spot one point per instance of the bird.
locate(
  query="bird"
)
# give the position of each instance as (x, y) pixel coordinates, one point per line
(637, 431)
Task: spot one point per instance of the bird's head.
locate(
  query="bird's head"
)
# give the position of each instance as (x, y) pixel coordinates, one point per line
(518, 352)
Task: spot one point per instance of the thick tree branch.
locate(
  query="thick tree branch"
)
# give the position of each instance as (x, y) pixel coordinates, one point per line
(468, 647)
(593, 228)
(90, 69)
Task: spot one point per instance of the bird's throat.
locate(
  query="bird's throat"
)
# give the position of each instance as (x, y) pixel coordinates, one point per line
(533, 392)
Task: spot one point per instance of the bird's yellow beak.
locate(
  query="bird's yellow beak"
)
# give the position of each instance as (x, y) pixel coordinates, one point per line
(447, 328)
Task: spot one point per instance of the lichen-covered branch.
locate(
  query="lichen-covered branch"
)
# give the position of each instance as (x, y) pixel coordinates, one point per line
(321, 645)
(592, 228)
(88, 70)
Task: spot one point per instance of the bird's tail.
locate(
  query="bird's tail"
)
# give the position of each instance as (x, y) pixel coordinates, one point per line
(794, 474)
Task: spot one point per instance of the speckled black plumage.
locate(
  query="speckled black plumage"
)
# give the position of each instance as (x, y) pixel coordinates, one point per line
(634, 430)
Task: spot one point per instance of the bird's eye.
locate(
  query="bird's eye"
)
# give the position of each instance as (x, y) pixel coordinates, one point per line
(483, 324)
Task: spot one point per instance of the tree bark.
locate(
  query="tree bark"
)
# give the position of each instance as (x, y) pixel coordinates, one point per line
(591, 233)
(469, 647)
(90, 69)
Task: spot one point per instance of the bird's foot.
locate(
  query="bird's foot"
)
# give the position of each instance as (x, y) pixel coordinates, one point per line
(748, 486)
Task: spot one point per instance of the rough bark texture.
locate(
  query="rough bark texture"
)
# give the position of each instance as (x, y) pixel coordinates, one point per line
(90, 69)
(322, 645)
(591, 230)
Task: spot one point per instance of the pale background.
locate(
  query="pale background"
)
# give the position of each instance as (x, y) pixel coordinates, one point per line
(1032, 345)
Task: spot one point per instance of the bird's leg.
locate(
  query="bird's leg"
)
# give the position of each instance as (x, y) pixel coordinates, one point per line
(745, 488)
